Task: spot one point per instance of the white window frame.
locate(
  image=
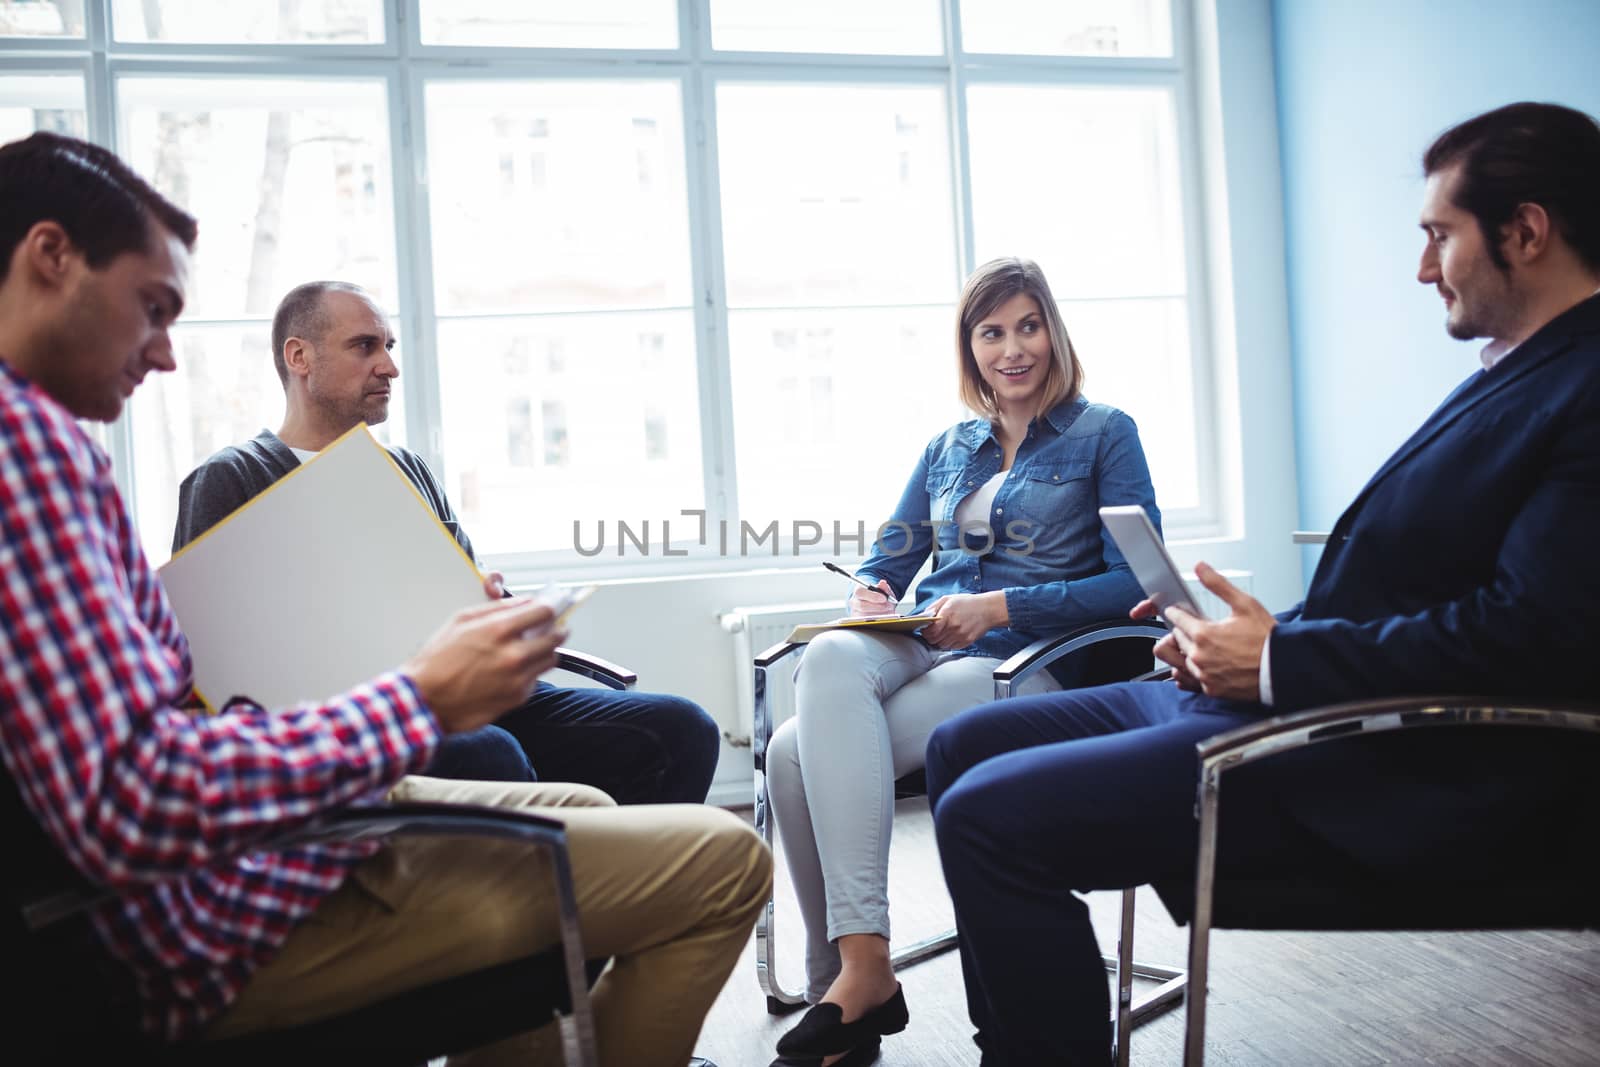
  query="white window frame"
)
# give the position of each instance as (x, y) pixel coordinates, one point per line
(405, 64)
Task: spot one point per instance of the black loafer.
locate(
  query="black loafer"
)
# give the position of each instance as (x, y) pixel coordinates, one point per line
(823, 1033)
(859, 1056)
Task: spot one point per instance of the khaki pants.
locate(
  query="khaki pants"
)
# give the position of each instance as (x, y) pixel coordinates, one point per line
(668, 891)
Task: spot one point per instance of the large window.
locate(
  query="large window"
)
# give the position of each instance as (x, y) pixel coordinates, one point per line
(841, 265)
(649, 257)
(290, 179)
(561, 283)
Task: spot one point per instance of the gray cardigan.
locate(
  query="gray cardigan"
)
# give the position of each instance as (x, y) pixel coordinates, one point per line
(231, 478)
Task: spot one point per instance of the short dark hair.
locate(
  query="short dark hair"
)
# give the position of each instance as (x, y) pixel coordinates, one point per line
(104, 207)
(301, 314)
(1526, 153)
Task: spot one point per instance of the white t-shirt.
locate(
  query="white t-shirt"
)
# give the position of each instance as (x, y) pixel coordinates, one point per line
(975, 509)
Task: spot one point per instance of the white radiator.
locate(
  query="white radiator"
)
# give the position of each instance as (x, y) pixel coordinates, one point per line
(756, 629)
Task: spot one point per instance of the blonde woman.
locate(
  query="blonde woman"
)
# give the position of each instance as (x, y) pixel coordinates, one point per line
(1007, 503)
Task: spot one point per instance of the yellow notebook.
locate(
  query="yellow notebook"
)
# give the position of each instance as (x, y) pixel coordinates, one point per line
(892, 624)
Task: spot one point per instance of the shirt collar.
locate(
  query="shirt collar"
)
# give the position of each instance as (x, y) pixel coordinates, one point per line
(1065, 413)
(1494, 352)
(1057, 418)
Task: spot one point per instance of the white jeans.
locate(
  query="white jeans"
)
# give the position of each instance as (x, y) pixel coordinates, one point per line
(866, 704)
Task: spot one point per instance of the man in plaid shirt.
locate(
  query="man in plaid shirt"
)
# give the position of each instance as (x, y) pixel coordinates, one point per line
(163, 808)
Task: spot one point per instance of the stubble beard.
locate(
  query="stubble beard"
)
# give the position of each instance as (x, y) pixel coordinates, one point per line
(375, 411)
(74, 355)
(1496, 316)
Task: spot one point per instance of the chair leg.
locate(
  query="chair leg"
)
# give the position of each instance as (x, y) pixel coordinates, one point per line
(926, 949)
(1121, 1030)
(780, 1001)
(1129, 1012)
(1194, 1030)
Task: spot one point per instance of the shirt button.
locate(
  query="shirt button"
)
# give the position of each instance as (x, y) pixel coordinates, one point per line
(1056, 477)
(999, 511)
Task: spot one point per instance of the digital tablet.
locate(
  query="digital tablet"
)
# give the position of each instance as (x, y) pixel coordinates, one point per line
(1141, 545)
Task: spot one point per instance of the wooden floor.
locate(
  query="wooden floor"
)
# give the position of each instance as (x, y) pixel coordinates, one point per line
(1277, 1000)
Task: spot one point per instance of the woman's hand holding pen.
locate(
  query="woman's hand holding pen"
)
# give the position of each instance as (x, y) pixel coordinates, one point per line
(965, 617)
(867, 603)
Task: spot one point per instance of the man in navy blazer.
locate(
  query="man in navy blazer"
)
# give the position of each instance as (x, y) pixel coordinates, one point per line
(1470, 564)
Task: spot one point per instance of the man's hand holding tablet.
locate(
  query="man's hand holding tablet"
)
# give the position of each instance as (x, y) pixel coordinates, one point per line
(1221, 657)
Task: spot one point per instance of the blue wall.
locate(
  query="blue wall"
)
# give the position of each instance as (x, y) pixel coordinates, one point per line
(1363, 87)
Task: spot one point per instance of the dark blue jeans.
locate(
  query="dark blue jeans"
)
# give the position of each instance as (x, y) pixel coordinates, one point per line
(1036, 797)
(487, 754)
(641, 748)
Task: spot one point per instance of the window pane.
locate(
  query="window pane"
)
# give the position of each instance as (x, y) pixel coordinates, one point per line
(826, 389)
(249, 21)
(886, 27)
(1136, 356)
(224, 391)
(558, 419)
(1080, 28)
(290, 181)
(1098, 205)
(41, 18)
(557, 195)
(835, 205)
(30, 102)
(1083, 180)
(551, 23)
(835, 195)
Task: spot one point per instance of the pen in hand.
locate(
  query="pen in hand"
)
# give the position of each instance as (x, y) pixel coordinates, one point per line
(835, 568)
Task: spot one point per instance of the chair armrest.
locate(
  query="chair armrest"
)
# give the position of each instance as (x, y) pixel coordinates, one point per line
(777, 652)
(1047, 650)
(595, 669)
(384, 820)
(1283, 733)
(348, 824)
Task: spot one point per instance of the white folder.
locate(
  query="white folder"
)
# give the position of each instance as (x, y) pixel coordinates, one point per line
(337, 573)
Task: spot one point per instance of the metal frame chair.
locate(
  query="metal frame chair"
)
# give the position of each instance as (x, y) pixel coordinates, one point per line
(486, 1005)
(1248, 744)
(1007, 678)
(372, 1031)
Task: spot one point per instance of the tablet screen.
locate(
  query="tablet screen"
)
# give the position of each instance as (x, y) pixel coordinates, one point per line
(1158, 576)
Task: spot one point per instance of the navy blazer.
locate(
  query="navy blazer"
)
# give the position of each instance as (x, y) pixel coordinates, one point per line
(1469, 564)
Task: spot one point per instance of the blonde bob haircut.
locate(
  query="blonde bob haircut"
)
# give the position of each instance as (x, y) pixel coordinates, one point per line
(990, 286)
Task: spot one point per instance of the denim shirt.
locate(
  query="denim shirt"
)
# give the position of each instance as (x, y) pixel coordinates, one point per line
(1044, 544)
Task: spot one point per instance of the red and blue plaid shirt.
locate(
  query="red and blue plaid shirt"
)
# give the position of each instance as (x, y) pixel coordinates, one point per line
(155, 803)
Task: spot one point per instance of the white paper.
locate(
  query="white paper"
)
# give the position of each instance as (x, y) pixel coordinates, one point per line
(337, 573)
